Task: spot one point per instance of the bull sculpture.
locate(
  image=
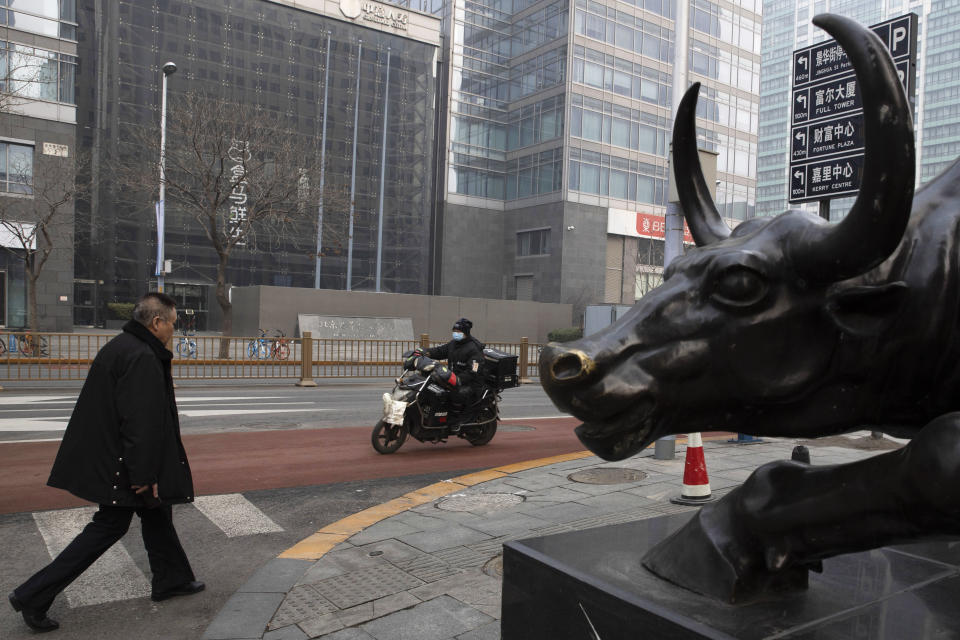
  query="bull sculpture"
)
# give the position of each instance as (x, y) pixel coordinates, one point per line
(795, 327)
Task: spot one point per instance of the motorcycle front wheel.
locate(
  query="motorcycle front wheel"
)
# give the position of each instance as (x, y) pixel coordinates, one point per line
(482, 434)
(387, 438)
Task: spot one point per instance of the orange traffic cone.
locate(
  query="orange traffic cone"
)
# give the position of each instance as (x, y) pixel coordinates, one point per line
(696, 485)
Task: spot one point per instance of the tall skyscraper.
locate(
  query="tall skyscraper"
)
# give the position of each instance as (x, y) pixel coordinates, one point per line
(557, 120)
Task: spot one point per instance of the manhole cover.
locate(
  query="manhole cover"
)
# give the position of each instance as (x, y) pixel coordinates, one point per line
(494, 567)
(479, 502)
(607, 475)
(514, 427)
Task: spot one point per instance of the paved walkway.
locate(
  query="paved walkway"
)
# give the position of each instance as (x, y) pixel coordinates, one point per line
(427, 566)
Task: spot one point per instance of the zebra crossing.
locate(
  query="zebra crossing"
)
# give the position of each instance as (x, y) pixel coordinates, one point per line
(115, 575)
(47, 415)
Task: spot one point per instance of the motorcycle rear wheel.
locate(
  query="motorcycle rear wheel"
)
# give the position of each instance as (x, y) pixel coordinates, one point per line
(484, 433)
(387, 438)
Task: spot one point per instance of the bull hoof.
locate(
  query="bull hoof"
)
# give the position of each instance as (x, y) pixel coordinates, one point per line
(709, 556)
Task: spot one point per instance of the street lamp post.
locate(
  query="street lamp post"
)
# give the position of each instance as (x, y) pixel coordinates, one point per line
(168, 70)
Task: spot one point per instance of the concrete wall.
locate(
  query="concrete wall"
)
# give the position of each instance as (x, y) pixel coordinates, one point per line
(584, 256)
(473, 256)
(545, 269)
(493, 320)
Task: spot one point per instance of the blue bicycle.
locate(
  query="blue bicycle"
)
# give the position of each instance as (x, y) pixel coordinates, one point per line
(259, 348)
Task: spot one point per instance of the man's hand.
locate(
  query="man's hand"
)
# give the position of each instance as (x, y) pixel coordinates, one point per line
(142, 488)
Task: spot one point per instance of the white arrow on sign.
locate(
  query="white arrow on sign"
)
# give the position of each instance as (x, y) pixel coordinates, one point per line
(799, 175)
(803, 60)
(802, 99)
(802, 137)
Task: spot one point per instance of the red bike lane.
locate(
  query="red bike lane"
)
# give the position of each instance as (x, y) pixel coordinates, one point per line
(233, 462)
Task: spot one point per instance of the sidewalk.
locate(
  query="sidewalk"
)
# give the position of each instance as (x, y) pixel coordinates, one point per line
(427, 566)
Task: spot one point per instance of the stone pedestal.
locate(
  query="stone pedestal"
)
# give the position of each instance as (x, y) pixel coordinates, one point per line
(590, 585)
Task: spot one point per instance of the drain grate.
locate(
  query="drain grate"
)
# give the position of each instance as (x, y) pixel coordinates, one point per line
(607, 475)
(479, 502)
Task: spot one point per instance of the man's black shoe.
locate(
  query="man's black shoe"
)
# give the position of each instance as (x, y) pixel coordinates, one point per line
(36, 620)
(186, 589)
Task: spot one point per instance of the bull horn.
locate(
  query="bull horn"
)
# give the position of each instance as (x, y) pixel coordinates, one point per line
(875, 224)
(706, 225)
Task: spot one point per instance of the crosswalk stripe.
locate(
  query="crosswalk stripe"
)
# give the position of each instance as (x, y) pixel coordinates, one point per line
(206, 413)
(51, 423)
(114, 576)
(235, 515)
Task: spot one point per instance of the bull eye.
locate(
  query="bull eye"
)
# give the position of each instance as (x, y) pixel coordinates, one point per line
(739, 286)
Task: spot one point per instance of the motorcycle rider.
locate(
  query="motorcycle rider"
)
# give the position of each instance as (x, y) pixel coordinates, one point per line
(464, 354)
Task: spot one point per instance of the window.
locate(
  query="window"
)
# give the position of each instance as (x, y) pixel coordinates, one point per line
(16, 168)
(45, 17)
(37, 74)
(533, 243)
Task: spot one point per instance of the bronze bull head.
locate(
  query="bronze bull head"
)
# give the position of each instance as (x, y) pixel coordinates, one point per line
(765, 329)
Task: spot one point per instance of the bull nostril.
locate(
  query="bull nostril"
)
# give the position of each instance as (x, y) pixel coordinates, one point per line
(571, 366)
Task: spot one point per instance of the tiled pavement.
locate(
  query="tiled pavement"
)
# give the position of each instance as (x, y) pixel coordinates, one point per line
(432, 572)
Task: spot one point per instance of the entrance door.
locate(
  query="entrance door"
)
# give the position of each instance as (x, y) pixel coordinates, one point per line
(191, 297)
(85, 303)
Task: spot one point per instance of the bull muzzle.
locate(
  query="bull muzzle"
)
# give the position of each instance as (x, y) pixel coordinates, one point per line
(564, 366)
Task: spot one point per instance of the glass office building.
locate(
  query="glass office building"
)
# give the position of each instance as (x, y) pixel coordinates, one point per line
(370, 67)
(787, 26)
(557, 120)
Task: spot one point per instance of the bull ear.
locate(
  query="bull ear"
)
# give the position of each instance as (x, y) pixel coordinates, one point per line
(866, 310)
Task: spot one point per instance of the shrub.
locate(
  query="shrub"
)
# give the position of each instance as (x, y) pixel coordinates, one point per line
(565, 335)
(120, 310)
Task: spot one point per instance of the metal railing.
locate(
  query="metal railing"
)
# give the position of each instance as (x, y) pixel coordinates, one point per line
(67, 356)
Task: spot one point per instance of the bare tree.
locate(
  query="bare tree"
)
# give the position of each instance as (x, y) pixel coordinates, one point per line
(21, 75)
(242, 173)
(36, 213)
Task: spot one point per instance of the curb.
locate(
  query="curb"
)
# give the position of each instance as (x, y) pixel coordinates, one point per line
(314, 547)
(249, 610)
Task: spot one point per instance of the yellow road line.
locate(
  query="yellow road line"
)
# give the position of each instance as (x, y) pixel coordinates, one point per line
(313, 547)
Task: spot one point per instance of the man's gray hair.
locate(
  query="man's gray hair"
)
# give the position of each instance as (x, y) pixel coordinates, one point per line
(151, 305)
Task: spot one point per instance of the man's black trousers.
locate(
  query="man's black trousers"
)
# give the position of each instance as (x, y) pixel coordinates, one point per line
(168, 561)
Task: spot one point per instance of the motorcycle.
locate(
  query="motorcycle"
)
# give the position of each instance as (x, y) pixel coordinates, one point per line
(421, 403)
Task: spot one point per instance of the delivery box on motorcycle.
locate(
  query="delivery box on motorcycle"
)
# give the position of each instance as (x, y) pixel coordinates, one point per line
(499, 369)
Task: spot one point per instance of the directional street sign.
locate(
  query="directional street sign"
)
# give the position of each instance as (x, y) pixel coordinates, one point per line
(822, 179)
(826, 137)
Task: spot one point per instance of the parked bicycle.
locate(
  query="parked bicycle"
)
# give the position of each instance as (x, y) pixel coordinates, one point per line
(280, 350)
(187, 346)
(31, 345)
(265, 347)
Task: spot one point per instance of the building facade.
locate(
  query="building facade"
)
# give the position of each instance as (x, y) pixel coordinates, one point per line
(38, 61)
(787, 26)
(557, 117)
(358, 79)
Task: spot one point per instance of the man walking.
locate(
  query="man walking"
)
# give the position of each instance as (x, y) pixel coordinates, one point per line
(122, 450)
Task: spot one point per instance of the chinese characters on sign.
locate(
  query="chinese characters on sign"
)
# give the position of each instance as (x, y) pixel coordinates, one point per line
(827, 138)
(239, 154)
(621, 222)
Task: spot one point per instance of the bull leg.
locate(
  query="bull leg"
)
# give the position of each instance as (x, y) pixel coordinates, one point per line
(787, 516)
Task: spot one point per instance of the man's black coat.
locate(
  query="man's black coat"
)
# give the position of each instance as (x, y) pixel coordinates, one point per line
(124, 430)
(464, 357)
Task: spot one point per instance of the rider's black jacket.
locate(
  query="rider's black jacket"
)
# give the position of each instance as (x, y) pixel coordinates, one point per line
(464, 357)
